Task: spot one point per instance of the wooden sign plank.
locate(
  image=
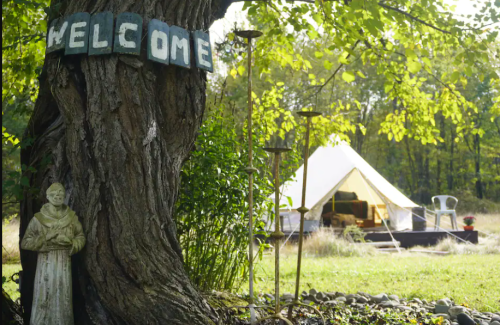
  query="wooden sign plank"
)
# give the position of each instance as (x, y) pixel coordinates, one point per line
(77, 35)
(180, 54)
(158, 49)
(56, 39)
(203, 51)
(128, 34)
(101, 33)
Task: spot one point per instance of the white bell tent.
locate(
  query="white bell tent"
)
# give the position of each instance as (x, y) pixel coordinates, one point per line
(339, 168)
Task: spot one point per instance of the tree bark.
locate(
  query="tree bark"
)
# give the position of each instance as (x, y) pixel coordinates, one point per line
(477, 163)
(117, 129)
(11, 311)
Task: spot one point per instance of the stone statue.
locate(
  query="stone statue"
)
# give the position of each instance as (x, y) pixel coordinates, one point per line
(56, 234)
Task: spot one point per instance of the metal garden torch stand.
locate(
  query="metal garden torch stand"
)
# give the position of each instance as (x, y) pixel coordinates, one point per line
(309, 115)
(277, 235)
(249, 34)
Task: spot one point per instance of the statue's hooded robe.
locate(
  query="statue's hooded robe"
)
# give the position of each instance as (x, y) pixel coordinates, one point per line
(52, 297)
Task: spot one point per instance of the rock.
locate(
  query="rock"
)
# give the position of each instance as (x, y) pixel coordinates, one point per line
(495, 322)
(394, 297)
(339, 294)
(443, 302)
(313, 292)
(389, 304)
(350, 301)
(304, 294)
(418, 301)
(312, 298)
(307, 302)
(380, 297)
(331, 302)
(287, 296)
(403, 308)
(350, 296)
(341, 299)
(463, 319)
(441, 309)
(330, 295)
(321, 296)
(455, 310)
(362, 300)
(269, 296)
(495, 318)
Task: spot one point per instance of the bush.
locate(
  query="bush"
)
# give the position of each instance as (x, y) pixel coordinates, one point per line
(212, 210)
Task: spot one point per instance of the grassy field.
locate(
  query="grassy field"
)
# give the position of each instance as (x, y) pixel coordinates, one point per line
(470, 279)
(466, 275)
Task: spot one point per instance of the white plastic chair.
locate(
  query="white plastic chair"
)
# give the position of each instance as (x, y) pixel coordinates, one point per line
(444, 210)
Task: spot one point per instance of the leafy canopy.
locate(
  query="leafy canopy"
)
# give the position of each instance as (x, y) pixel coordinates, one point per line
(403, 39)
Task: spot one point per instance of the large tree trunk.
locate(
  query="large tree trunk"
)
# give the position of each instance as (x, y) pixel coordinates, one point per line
(117, 129)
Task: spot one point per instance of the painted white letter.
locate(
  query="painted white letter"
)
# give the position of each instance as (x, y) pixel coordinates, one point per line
(123, 28)
(74, 34)
(57, 36)
(202, 45)
(159, 53)
(96, 43)
(182, 44)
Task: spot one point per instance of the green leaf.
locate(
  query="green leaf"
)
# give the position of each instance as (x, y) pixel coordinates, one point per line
(318, 55)
(410, 54)
(241, 70)
(455, 76)
(233, 72)
(327, 64)
(348, 76)
(25, 181)
(414, 66)
(388, 86)
(359, 73)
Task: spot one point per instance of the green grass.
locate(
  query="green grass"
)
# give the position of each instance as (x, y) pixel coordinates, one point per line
(470, 279)
(11, 287)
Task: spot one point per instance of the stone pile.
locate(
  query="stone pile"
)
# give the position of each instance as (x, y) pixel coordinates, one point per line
(451, 313)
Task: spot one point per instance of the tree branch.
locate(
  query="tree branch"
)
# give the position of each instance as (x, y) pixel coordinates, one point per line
(337, 70)
(380, 3)
(413, 17)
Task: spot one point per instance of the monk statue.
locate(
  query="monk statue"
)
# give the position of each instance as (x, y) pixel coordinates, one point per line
(56, 234)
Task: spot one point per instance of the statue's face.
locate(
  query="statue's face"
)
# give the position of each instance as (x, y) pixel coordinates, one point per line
(56, 198)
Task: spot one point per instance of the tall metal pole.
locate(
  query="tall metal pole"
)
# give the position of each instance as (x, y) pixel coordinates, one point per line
(303, 210)
(249, 34)
(277, 235)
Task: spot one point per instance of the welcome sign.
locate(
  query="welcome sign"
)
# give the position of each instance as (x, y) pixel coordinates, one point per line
(98, 35)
